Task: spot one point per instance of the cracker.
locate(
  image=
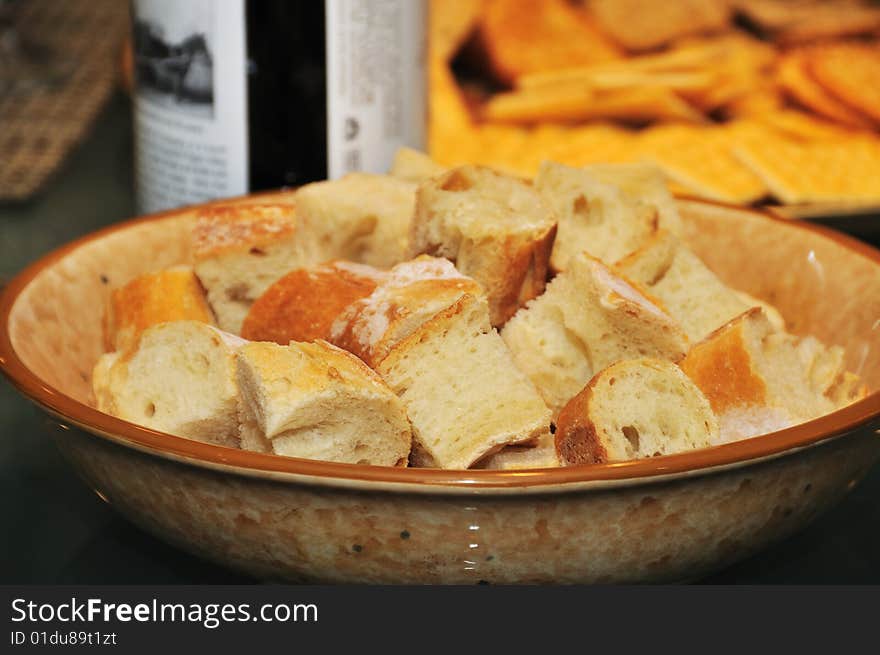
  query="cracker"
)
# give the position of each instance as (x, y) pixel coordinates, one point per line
(575, 102)
(851, 73)
(793, 77)
(700, 159)
(450, 23)
(639, 25)
(827, 171)
(526, 36)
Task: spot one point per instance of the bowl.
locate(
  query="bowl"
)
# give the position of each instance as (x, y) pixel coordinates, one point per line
(669, 518)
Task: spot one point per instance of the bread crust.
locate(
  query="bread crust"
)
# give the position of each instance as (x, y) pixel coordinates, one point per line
(173, 294)
(221, 229)
(576, 439)
(721, 366)
(302, 305)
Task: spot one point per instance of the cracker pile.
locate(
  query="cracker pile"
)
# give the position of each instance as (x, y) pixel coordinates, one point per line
(741, 101)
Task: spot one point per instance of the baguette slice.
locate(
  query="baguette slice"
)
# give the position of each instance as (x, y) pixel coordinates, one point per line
(462, 392)
(411, 294)
(178, 378)
(759, 379)
(588, 319)
(594, 216)
(414, 166)
(692, 294)
(303, 304)
(360, 217)
(170, 295)
(240, 250)
(632, 410)
(494, 227)
(316, 401)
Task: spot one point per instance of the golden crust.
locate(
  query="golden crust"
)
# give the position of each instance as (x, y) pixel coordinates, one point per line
(721, 366)
(303, 304)
(174, 294)
(576, 438)
(220, 229)
(374, 324)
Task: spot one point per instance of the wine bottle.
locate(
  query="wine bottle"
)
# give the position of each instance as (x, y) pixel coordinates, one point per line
(234, 96)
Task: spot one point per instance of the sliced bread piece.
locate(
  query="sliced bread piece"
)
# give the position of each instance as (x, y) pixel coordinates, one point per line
(360, 217)
(644, 182)
(178, 378)
(632, 410)
(303, 304)
(759, 379)
(462, 392)
(594, 217)
(408, 296)
(316, 401)
(414, 166)
(692, 294)
(539, 455)
(495, 228)
(239, 251)
(588, 319)
(170, 295)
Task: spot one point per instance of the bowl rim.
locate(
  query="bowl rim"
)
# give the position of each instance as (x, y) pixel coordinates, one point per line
(253, 464)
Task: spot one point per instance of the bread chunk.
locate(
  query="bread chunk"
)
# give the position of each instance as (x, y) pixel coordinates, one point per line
(539, 455)
(495, 228)
(361, 217)
(178, 378)
(239, 251)
(303, 304)
(632, 410)
(410, 294)
(462, 392)
(594, 216)
(170, 295)
(414, 166)
(588, 319)
(759, 379)
(692, 294)
(644, 182)
(316, 401)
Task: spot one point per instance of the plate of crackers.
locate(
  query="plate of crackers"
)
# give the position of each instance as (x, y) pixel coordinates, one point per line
(772, 103)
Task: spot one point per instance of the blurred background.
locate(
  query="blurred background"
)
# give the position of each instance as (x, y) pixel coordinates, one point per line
(772, 103)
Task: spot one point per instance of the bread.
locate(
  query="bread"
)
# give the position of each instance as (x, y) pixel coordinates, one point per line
(594, 217)
(759, 379)
(360, 217)
(539, 455)
(317, 401)
(170, 295)
(303, 304)
(411, 294)
(645, 183)
(632, 410)
(777, 320)
(178, 378)
(414, 166)
(462, 392)
(239, 251)
(588, 319)
(495, 228)
(693, 295)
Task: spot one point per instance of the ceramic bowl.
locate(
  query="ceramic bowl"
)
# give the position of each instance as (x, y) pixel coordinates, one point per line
(662, 519)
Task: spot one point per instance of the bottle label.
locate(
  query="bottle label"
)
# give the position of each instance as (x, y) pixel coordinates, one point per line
(190, 101)
(376, 95)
